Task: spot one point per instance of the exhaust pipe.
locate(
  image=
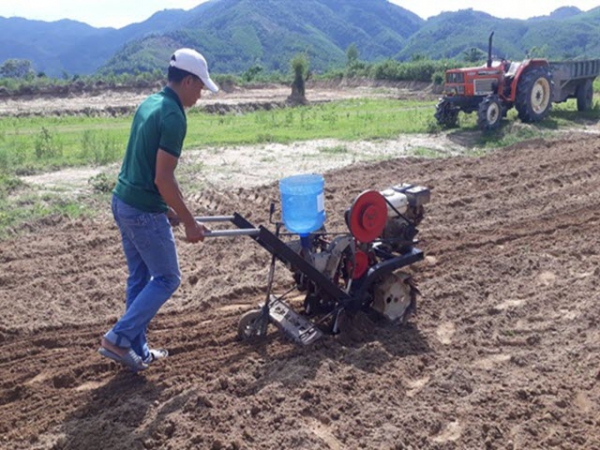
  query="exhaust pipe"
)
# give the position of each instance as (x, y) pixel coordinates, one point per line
(489, 61)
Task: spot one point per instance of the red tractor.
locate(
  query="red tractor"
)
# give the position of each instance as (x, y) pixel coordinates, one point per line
(530, 86)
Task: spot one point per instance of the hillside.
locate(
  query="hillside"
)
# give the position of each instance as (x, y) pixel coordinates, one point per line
(565, 34)
(238, 34)
(43, 43)
(74, 47)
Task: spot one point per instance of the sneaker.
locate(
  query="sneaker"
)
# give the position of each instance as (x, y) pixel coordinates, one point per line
(155, 355)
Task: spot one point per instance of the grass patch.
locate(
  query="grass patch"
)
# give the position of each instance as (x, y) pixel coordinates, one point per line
(30, 208)
(36, 144)
(345, 120)
(335, 150)
(30, 145)
(512, 130)
(424, 152)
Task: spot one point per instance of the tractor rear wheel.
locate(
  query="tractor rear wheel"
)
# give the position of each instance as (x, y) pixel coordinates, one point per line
(446, 114)
(585, 96)
(534, 94)
(489, 113)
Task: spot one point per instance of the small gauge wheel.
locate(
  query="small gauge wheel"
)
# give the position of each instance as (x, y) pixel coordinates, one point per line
(252, 325)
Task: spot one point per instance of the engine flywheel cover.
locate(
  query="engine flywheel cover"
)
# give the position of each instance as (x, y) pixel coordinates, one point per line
(368, 216)
(394, 296)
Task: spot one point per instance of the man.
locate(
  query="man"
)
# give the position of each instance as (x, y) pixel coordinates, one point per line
(147, 200)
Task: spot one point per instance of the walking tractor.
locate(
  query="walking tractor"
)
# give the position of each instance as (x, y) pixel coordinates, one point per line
(531, 86)
(339, 273)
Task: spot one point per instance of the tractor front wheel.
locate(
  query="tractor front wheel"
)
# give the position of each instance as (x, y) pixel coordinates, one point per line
(446, 114)
(489, 113)
(534, 94)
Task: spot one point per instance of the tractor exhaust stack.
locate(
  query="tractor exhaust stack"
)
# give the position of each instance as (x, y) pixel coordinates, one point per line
(489, 61)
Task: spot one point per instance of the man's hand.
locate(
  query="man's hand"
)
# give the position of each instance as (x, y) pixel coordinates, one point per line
(195, 231)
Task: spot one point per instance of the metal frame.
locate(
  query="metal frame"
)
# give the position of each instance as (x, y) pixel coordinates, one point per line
(277, 311)
(285, 254)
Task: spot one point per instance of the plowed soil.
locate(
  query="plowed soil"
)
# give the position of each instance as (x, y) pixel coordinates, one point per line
(504, 352)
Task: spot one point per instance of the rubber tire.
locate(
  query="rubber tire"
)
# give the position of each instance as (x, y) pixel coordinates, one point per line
(446, 115)
(490, 113)
(585, 96)
(529, 84)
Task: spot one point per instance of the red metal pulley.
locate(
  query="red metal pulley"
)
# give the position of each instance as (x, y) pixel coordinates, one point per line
(368, 216)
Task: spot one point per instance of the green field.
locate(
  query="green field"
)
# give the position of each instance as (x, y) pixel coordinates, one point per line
(29, 145)
(34, 145)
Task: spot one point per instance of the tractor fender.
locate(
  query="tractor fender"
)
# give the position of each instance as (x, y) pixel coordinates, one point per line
(524, 67)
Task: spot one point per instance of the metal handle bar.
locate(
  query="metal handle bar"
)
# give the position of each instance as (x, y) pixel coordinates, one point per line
(244, 231)
(215, 219)
(232, 233)
(226, 233)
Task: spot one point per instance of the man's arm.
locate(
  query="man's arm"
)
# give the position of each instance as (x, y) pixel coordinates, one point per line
(169, 190)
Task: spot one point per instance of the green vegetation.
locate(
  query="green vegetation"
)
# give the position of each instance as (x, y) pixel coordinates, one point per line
(424, 152)
(419, 69)
(335, 150)
(299, 66)
(40, 84)
(346, 120)
(16, 68)
(31, 145)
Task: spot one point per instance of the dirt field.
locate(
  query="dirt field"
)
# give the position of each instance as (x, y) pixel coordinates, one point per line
(226, 100)
(503, 354)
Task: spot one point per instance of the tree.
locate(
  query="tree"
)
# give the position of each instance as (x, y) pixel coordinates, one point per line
(16, 68)
(250, 74)
(351, 54)
(415, 57)
(299, 65)
(473, 55)
(538, 52)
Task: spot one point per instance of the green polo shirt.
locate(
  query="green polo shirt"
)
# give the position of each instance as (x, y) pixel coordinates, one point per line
(159, 122)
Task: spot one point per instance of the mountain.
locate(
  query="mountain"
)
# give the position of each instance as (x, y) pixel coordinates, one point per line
(75, 47)
(565, 34)
(451, 33)
(238, 34)
(41, 42)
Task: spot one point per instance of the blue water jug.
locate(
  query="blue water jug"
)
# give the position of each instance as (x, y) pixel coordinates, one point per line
(303, 203)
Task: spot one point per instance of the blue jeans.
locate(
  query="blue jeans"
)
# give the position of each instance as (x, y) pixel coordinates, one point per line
(154, 274)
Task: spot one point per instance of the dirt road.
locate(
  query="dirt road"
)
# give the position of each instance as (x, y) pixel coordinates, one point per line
(504, 352)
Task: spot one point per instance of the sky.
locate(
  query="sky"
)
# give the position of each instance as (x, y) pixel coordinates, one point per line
(119, 13)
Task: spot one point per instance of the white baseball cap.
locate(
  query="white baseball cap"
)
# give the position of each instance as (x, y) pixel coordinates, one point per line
(193, 62)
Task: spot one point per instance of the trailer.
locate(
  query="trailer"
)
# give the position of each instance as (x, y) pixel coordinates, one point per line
(575, 79)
